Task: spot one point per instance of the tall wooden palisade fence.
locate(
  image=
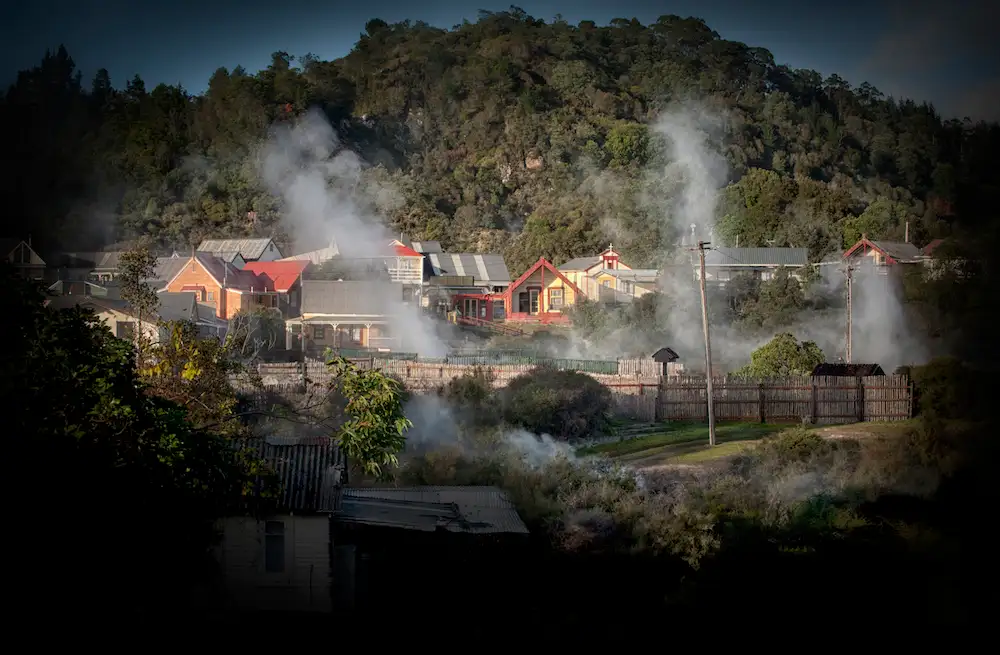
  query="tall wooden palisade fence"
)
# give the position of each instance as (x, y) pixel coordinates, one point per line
(819, 400)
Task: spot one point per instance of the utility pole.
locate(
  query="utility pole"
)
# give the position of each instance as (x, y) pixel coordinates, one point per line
(849, 272)
(708, 345)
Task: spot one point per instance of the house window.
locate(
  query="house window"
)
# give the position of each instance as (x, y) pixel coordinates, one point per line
(498, 312)
(356, 334)
(606, 284)
(555, 298)
(211, 296)
(274, 546)
(319, 332)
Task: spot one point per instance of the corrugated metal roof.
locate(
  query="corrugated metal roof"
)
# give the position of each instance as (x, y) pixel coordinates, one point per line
(477, 510)
(488, 270)
(315, 256)
(248, 248)
(727, 257)
(900, 251)
(309, 470)
(361, 297)
(580, 264)
(637, 274)
(168, 267)
(426, 247)
(179, 306)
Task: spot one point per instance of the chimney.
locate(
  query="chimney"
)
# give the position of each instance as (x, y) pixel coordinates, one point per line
(906, 237)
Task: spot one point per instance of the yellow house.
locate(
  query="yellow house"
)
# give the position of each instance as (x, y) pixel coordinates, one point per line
(542, 294)
(604, 277)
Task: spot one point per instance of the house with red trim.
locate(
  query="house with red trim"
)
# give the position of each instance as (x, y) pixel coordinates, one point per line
(883, 253)
(543, 294)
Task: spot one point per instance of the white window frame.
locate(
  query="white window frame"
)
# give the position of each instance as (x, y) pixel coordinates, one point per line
(556, 298)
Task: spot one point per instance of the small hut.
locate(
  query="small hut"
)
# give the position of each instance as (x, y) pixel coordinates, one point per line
(843, 370)
(665, 356)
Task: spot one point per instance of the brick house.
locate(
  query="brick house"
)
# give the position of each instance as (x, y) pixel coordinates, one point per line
(221, 285)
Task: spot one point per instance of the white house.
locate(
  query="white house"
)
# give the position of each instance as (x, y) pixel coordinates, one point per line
(723, 264)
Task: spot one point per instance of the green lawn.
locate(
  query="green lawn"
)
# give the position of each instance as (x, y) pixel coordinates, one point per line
(682, 433)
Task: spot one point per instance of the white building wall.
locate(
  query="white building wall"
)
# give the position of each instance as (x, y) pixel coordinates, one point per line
(304, 585)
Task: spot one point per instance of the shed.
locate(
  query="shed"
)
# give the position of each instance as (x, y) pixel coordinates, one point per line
(843, 370)
(665, 357)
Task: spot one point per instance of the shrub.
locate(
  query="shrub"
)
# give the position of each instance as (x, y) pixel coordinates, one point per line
(472, 397)
(563, 404)
(796, 445)
(945, 388)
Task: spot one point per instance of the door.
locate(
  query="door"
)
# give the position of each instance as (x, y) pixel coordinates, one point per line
(533, 295)
(471, 307)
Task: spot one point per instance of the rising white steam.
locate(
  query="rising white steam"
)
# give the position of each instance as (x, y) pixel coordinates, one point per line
(327, 200)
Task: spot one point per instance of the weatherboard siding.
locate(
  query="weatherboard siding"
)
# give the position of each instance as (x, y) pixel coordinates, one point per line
(305, 583)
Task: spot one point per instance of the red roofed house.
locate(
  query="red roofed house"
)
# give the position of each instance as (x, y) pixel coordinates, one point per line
(223, 286)
(286, 278)
(543, 294)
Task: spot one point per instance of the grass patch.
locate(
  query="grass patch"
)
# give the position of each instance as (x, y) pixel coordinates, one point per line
(706, 454)
(673, 434)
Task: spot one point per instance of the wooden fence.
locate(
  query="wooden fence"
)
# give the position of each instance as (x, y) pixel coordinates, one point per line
(820, 400)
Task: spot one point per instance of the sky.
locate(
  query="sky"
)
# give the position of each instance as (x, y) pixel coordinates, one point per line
(941, 52)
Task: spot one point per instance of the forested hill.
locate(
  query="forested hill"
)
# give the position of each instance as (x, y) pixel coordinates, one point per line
(509, 134)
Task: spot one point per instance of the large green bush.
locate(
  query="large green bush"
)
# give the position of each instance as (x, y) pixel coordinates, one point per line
(946, 388)
(563, 404)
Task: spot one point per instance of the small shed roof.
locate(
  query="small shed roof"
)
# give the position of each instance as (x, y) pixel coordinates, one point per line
(666, 355)
(309, 470)
(840, 369)
(486, 269)
(471, 510)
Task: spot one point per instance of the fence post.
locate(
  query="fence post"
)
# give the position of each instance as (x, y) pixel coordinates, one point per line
(814, 401)
(861, 400)
(760, 402)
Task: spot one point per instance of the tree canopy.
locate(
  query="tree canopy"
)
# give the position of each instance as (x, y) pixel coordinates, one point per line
(508, 134)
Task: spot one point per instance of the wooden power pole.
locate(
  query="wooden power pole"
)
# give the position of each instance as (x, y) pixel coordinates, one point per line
(708, 345)
(849, 272)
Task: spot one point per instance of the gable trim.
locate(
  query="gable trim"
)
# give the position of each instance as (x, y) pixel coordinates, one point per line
(183, 268)
(542, 262)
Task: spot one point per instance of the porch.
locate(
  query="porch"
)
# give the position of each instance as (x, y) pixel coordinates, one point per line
(318, 334)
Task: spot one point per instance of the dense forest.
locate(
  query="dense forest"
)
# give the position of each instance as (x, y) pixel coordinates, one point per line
(509, 134)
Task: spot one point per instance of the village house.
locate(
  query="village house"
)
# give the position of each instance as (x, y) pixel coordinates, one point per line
(724, 264)
(321, 546)
(346, 314)
(463, 281)
(285, 278)
(122, 320)
(883, 254)
(241, 251)
(23, 258)
(229, 290)
(542, 294)
(605, 278)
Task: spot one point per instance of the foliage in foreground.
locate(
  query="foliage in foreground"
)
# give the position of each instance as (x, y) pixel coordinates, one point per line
(98, 446)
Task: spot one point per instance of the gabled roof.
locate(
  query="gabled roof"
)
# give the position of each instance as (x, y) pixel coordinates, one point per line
(225, 274)
(581, 264)
(173, 306)
(665, 355)
(543, 263)
(178, 306)
(894, 251)
(402, 250)
(475, 510)
(426, 247)
(250, 249)
(751, 257)
(351, 298)
(282, 274)
(167, 269)
(487, 270)
(8, 246)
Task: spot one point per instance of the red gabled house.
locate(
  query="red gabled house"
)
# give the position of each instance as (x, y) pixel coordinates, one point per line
(543, 294)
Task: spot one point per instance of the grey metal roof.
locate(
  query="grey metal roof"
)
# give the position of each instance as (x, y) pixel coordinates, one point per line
(580, 264)
(486, 269)
(426, 247)
(730, 257)
(248, 248)
(898, 250)
(637, 274)
(178, 306)
(476, 510)
(363, 297)
(309, 470)
(168, 267)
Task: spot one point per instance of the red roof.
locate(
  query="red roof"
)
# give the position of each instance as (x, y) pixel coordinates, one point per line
(403, 251)
(281, 275)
